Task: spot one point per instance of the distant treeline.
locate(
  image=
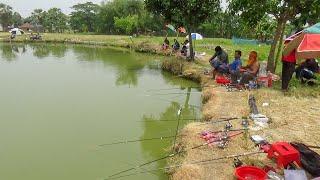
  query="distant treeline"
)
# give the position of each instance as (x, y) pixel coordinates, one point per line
(129, 17)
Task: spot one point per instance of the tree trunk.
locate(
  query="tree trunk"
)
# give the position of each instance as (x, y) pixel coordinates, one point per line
(270, 65)
(280, 46)
(191, 46)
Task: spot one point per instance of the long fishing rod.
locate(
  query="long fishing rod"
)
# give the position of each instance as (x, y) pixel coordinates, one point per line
(177, 129)
(219, 121)
(193, 163)
(194, 119)
(162, 94)
(166, 89)
(139, 140)
(169, 156)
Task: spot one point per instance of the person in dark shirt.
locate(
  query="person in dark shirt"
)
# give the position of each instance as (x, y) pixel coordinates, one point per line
(306, 71)
(219, 61)
(176, 45)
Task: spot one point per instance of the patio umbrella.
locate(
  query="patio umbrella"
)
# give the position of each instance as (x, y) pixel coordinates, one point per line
(306, 43)
(195, 36)
(171, 27)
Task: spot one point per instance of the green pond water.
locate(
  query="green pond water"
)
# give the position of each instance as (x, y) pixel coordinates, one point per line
(58, 103)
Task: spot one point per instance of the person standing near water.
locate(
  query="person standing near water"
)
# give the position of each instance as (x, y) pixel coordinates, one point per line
(288, 68)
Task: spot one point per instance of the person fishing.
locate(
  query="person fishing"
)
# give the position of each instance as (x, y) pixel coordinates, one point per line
(165, 44)
(219, 62)
(306, 71)
(185, 48)
(176, 45)
(250, 71)
(235, 66)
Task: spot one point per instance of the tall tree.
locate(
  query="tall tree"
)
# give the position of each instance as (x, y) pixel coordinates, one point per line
(37, 17)
(55, 20)
(189, 13)
(120, 9)
(17, 19)
(84, 16)
(282, 10)
(5, 15)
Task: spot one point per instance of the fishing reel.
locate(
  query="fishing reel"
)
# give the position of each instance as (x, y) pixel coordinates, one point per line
(245, 123)
(237, 162)
(228, 126)
(223, 144)
(224, 140)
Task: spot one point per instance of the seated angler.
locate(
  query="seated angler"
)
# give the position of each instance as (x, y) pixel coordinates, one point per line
(219, 62)
(307, 70)
(250, 71)
(176, 45)
(235, 66)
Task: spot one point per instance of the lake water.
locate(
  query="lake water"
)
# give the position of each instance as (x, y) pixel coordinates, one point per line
(58, 103)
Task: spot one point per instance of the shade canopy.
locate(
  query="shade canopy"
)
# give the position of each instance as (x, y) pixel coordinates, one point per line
(306, 43)
(195, 36)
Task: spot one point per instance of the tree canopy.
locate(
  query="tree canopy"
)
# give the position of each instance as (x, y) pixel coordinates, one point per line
(187, 13)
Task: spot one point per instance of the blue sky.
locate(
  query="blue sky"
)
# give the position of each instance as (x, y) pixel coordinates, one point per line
(25, 7)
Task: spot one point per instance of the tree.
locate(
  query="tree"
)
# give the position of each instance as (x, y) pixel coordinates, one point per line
(17, 19)
(55, 20)
(188, 13)
(281, 10)
(127, 24)
(84, 16)
(37, 17)
(265, 28)
(5, 15)
(120, 9)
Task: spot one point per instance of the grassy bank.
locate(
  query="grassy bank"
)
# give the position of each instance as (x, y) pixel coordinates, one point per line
(294, 117)
(152, 43)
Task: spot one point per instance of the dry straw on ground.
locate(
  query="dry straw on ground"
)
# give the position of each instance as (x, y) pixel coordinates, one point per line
(293, 119)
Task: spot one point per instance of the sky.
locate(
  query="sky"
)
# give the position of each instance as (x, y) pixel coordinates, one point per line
(25, 7)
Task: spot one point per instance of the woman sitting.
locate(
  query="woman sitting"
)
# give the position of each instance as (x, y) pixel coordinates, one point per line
(250, 71)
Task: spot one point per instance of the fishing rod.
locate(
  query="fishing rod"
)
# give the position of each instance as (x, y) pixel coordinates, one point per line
(219, 121)
(139, 140)
(162, 94)
(171, 155)
(203, 162)
(177, 129)
(167, 89)
(194, 119)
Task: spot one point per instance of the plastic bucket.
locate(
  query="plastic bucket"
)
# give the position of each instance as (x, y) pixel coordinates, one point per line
(250, 173)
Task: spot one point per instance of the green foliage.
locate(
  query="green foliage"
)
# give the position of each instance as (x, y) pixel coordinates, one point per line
(189, 13)
(84, 17)
(265, 28)
(16, 19)
(127, 24)
(55, 20)
(5, 15)
(37, 17)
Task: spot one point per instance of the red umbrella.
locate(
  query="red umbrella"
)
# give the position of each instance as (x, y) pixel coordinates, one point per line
(306, 43)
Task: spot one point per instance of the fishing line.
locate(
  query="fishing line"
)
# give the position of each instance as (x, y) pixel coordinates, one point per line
(175, 138)
(164, 94)
(138, 140)
(169, 156)
(203, 162)
(193, 87)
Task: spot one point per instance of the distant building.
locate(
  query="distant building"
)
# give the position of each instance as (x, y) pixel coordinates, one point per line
(27, 27)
